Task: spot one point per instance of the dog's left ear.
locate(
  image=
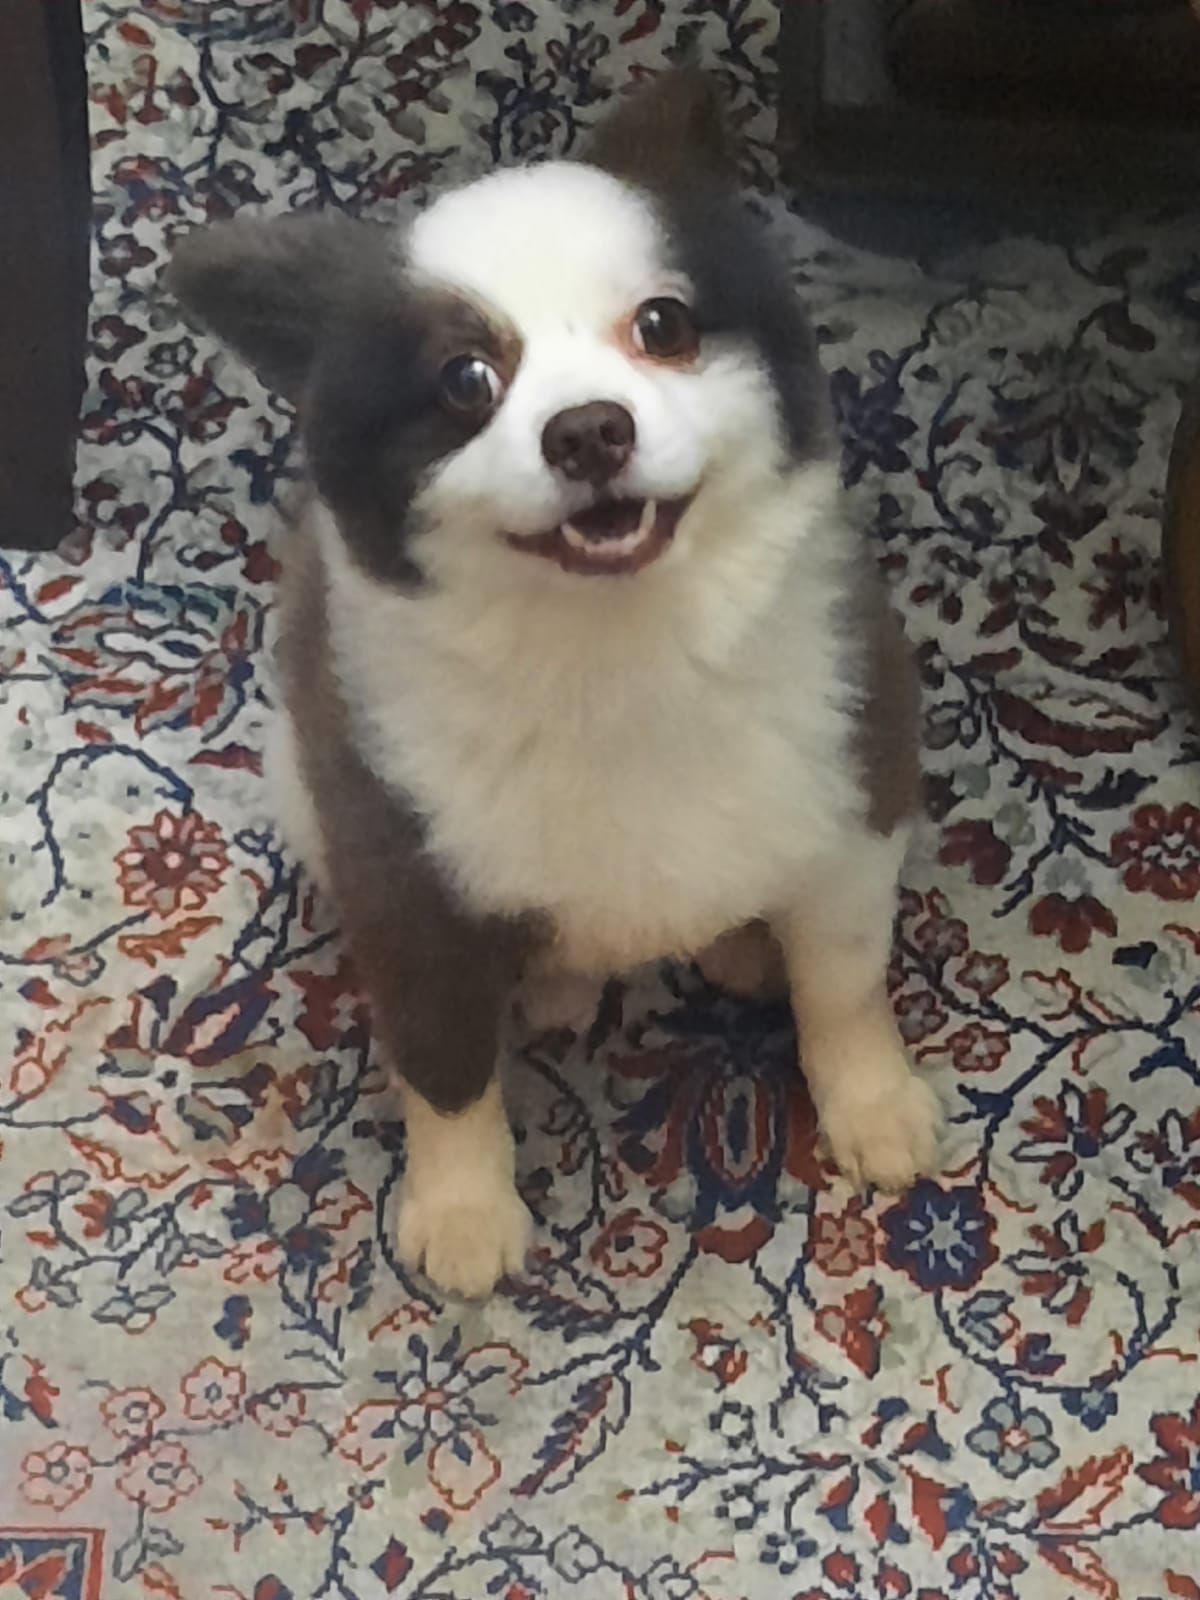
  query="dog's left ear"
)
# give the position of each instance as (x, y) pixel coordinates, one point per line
(671, 130)
(270, 288)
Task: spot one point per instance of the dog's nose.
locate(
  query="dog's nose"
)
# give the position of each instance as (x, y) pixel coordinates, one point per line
(591, 443)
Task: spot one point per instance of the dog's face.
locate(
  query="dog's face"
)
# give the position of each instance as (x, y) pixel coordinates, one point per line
(553, 372)
(597, 405)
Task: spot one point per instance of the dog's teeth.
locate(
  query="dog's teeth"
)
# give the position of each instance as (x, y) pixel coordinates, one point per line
(613, 549)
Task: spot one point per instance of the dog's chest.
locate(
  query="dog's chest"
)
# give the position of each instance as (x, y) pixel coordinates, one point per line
(644, 819)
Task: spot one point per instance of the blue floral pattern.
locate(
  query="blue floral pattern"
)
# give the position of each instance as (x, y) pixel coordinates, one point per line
(721, 1374)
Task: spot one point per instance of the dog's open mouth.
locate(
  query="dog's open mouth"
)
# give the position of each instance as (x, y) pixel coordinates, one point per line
(609, 539)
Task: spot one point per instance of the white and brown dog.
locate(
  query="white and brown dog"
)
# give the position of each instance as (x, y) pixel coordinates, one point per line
(582, 662)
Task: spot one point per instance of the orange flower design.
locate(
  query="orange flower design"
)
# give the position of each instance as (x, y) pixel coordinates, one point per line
(56, 1477)
(177, 863)
(160, 1477)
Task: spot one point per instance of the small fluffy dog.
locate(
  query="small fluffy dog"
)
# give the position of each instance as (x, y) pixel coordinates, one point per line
(582, 662)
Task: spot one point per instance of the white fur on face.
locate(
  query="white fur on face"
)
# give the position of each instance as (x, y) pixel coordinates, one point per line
(565, 254)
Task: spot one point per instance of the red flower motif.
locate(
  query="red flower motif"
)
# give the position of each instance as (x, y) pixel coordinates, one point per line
(1177, 1470)
(1072, 922)
(1076, 1127)
(332, 1006)
(280, 1410)
(983, 974)
(978, 1049)
(941, 937)
(56, 1477)
(202, 410)
(131, 1413)
(631, 1246)
(856, 1327)
(212, 1392)
(122, 254)
(96, 1212)
(1122, 581)
(177, 862)
(159, 1477)
(842, 1569)
(842, 1242)
(918, 1014)
(1171, 1152)
(725, 1358)
(112, 336)
(975, 844)
(1161, 852)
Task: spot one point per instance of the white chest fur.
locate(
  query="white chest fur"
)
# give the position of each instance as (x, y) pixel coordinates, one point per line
(629, 761)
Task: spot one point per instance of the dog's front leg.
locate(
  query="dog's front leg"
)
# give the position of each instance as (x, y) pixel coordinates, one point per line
(440, 981)
(878, 1119)
(440, 987)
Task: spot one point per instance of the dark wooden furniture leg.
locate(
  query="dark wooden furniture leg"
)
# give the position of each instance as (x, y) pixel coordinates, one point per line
(1181, 543)
(44, 256)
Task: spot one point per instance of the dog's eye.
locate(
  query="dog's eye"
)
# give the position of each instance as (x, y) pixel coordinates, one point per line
(469, 386)
(664, 329)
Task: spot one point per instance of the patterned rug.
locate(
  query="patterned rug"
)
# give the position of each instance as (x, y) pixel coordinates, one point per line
(722, 1375)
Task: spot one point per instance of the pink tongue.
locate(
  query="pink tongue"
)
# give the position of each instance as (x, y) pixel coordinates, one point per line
(611, 519)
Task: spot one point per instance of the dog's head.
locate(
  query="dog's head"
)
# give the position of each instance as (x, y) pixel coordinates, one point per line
(579, 368)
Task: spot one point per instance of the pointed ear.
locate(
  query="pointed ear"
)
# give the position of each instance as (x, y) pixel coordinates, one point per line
(269, 287)
(667, 131)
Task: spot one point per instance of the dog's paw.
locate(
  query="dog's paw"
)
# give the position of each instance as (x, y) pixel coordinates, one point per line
(883, 1140)
(466, 1241)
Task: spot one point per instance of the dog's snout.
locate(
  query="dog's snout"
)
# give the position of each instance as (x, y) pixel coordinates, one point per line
(590, 443)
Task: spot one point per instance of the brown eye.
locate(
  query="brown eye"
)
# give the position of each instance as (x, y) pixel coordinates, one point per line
(664, 329)
(469, 386)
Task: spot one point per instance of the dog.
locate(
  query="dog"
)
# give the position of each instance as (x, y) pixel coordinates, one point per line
(582, 660)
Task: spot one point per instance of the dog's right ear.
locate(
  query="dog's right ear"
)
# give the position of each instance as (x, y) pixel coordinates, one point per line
(270, 287)
(670, 130)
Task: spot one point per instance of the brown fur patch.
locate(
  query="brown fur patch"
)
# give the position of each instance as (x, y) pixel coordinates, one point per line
(373, 421)
(748, 962)
(670, 130)
(438, 978)
(888, 731)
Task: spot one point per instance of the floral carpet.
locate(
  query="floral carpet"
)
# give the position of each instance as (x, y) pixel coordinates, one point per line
(722, 1374)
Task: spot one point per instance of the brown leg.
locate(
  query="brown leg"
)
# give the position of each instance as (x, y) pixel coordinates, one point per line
(440, 984)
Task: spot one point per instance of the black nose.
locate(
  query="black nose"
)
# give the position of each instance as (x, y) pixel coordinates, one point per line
(589, 444)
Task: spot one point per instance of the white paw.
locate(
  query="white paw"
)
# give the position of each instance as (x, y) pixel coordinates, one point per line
(465, 1239)
(885, 1139)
